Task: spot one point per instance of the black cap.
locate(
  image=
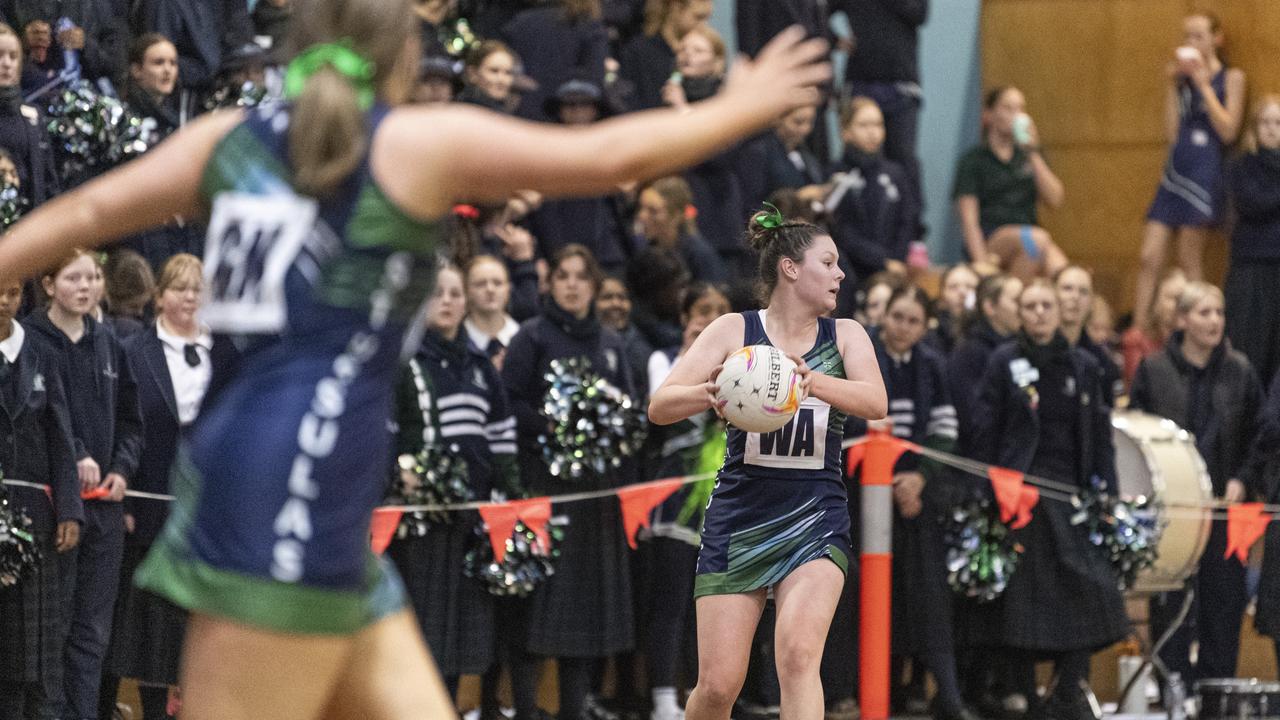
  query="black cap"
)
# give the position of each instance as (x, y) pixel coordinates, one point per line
(576, 92)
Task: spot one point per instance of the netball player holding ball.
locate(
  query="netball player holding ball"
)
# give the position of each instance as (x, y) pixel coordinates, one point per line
(778, 518)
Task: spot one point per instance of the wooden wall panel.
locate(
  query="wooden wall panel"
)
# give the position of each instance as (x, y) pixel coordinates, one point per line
(1092, 71)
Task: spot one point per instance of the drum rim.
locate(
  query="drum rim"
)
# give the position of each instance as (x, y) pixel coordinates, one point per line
(1252, 685)
(1122, 420)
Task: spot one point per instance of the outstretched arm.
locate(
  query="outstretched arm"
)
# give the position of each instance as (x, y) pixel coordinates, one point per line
(142, 194)
(428, 158)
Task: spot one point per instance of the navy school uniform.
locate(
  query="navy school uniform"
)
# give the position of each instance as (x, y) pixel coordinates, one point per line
(1040, 411)
(873, 217)
(965, 368)
(22, 133)
(554, 51)
(594, 222)
(647, 62)
(722, 210)
(450, 393)
(768, 167)
(584, 610)
(106, 424)
(35, 446)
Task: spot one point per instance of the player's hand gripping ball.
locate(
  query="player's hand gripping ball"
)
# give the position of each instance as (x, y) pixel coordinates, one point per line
(759, 389)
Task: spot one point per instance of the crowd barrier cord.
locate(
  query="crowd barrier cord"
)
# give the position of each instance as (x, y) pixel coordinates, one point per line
(877, 452)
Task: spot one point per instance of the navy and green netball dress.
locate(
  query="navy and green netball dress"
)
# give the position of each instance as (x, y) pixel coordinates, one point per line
(288, 458)
(780, 499)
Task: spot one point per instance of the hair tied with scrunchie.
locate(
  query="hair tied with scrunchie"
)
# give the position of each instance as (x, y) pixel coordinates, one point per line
(340, 55)
(468, 212)
(771, 218)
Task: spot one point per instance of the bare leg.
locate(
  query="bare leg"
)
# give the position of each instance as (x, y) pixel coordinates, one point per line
(806, 600)
(232, 671)
(1155, 247)
(726, 626)
(1191, 251)
(388, 675)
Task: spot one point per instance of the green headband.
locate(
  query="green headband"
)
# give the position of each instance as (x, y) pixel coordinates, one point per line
(772, 219)
(342, 57)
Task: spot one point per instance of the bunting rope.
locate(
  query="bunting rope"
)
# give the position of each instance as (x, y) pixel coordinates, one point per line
(1051, 489)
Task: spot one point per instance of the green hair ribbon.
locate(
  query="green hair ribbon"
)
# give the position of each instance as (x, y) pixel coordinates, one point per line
(772, 219)
(342, 57)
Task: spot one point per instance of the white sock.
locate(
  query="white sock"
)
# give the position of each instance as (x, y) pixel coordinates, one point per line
(664, 700)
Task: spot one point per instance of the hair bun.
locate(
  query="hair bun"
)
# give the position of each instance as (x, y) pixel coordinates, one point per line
(762, 227)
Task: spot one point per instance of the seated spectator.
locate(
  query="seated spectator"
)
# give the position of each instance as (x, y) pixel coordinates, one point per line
(438, 80)
(1141, 341)
(202, 32)
(997, 187)
(955, 300)
(873, 212)
(22, 128)
(596, 222)
(41, 66)
(557, 42)
(1253, 304)
(665, 217)
(490, 73)
(648, 60)
(780, 159)
(873, 298)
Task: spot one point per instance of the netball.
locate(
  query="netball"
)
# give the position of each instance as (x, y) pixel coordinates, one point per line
(759, 389)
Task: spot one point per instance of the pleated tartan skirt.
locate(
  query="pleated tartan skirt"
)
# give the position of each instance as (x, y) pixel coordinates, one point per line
(33, 621)
(147, 631)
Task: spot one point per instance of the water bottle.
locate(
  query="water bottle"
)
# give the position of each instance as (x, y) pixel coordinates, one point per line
(70, 58)
(1175, 697)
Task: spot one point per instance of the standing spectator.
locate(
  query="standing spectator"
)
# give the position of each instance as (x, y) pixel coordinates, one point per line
(22, 131)
(658, 278)
(490, 73)
(95, 30)
(130, 288)
(613, 305)
(271, 20)
(1253, 306)
(106, 425)
(1199, 382)
(885, 66)
(716, 182)
(993, 321)
(666, 217)
(41, 66)
(450, 395)
(998, 184)
(202, 32)
(1039, 411)
(489, 327)
(758, 22)
(35, 446)
(594, 222)
(1203, 109)
(648, 60)
(557, 42)
(873, 298)
(583, 612)
(172, 362)
(691, 446)
(873, 211)
(432, 15)
(1141, 341)
(1075, 298)
(438, 80)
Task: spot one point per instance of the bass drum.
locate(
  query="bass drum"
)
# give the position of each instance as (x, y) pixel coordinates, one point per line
(1157, 459)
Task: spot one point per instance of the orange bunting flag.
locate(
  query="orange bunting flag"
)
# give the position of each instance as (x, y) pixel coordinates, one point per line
(383, 527)
(638, 501)
(95, 494)
(853, 458)
(501, 519)
(1014, 497)
(1246, 522)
